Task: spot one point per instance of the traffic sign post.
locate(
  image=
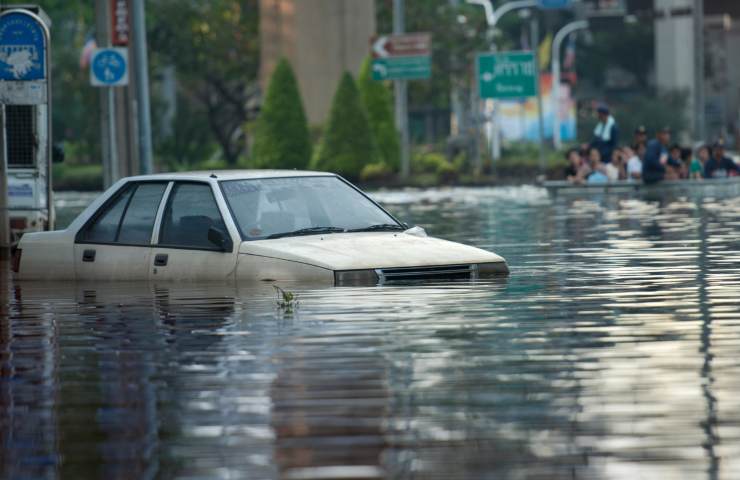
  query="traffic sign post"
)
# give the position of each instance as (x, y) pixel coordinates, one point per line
(402, 57)
(109, 67)
(507, 75)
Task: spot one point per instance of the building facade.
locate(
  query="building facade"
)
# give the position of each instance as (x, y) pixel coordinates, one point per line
(321, 39)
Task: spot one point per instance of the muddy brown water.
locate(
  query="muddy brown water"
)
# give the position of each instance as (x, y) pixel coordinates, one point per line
(612, 351)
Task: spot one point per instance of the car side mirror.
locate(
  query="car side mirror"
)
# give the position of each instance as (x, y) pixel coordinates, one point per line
(219, 238)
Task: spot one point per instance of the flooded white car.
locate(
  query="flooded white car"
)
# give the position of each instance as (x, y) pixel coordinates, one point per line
(261, 225)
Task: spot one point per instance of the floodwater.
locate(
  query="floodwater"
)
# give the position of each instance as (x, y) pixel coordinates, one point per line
(611, 351)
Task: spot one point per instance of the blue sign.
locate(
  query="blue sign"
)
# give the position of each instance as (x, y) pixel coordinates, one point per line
(109, 67)
(554, 4)
(22, 48)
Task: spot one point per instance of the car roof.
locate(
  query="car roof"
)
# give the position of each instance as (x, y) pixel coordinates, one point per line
(230, 175)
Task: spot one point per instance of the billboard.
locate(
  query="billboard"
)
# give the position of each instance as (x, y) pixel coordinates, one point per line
(518, 119)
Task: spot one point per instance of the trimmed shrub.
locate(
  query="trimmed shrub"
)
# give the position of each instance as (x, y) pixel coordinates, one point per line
(447, 173)
(376, 172)
(427, 162)
(378, 102)
(281, 137)
(347, 145)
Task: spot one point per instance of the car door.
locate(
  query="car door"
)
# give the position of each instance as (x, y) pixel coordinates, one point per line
(184, 250)
(115, 243)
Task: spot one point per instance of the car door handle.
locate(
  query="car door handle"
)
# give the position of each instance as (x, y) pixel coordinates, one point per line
(88, 256)
(160, 260)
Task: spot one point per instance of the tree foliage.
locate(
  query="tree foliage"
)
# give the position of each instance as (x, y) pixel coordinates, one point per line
(281, 136)
(378, 103)
(214, 47)
(347, 145)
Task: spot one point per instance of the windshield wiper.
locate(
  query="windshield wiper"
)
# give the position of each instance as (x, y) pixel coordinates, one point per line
(381, 227)
(307, 231)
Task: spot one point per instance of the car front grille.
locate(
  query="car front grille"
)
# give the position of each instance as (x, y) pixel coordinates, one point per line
(443, 272)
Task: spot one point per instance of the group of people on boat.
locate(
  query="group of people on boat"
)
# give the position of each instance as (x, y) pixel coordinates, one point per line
(603, 160)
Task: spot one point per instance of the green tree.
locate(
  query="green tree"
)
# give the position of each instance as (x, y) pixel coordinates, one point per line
(378, 102)
(281, 138)
(214, 47)
(347, 145)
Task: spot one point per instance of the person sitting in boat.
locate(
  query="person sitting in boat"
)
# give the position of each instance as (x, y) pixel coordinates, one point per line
(598, 172)
(640, 136)
(606, 133)
(634, 163)
(673, 172)
(720, 166)
(696, 170)
(577, 169)
(657, 158)
(615, 169)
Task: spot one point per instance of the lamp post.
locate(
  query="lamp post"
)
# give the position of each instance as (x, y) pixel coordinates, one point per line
(557, 41)
(493, 15)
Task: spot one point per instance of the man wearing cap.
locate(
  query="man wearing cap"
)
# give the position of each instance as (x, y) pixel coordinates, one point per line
(656, 157)
(606, 133)
(720, 166)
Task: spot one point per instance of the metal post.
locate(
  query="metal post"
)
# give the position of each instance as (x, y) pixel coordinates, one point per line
(557, 41)
(4, 219)
(102, 27)
(541, 123)
(699, 124)
(401, 95)
(141, 71)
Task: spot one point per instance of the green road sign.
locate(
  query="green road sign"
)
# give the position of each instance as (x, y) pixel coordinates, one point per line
(402, 68)
(507, 75)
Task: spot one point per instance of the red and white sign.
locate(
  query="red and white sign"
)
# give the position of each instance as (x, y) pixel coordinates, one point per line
(404, 45)
(120, 25)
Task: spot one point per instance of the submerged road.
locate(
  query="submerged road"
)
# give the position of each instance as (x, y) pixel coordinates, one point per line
(610, 352)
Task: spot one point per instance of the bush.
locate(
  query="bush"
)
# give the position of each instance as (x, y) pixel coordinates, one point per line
(378, 103)
(427, 162)
(347, 145)
(447, 173)
(77, 177)
(376, 172)
(281, 135)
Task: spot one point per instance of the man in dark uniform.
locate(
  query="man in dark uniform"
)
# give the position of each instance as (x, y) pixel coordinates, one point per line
(656, 157)
(720, 166)
(606, 134)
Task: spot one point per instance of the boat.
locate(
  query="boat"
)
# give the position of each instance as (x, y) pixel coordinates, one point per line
(717, 186)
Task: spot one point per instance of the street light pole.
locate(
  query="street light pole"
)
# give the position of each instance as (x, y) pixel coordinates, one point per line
(493, 15)
(142, 87)
(557, 41)
(401, 95)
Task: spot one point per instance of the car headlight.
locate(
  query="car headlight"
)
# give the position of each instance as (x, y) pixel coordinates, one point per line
(492, 269)
(355, 277)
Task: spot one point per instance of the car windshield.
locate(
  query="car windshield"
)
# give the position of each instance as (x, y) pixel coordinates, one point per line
(278, 207)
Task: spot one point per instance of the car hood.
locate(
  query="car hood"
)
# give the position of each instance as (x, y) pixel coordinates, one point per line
(366, 250)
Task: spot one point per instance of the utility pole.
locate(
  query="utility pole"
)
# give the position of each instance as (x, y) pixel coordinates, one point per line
(4, 217)
(699, 124)
(535, 40)
(557, 41)
(401, 95)
(141, 70)
(107, 107)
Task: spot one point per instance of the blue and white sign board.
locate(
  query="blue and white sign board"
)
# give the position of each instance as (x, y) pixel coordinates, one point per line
(109, 67)
(23, 58)
(554, 4)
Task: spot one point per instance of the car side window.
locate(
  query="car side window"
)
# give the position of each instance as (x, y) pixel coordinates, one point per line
(191, 211)
(129, 219)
